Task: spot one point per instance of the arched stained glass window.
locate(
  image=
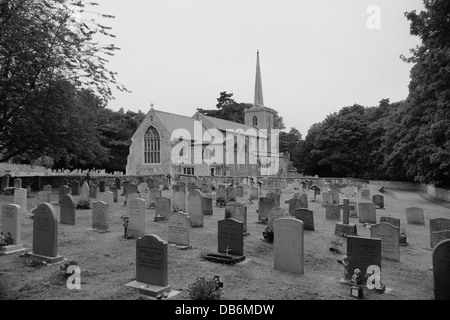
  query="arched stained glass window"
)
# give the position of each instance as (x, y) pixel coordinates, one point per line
(152, 146)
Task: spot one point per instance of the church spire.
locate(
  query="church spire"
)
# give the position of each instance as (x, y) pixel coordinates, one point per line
(259, 101)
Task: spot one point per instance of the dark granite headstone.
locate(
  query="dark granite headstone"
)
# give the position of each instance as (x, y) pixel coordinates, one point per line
(441, 267)
(231, 237)
(362, 253)
(67, 210)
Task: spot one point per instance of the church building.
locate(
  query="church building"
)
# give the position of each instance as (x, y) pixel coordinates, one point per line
(167, 143)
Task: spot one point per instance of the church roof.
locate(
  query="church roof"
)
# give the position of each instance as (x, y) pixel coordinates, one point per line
(174, 121)
(224, 125)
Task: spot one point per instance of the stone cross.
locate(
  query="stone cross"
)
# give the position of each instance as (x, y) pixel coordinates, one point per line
(227, 251)
(346, 207)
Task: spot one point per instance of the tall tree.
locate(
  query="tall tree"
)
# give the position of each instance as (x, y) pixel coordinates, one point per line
(423, 145)
(42, 47)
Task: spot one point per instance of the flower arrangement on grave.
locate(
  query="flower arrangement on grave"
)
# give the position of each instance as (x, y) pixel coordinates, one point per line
(268, 234)
(6, 240)
(205, 289)
(83, 205)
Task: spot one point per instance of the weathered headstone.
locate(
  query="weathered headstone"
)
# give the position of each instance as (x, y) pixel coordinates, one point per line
(142, 188)
(276, 196)
(45, 234)
(84, 193)
(265, 205)
(100, 216)
(378, 200)
(136, 214)
(275, 213)
(367, 213)
(43, 196)
(12, 224)
(327, 198)
(117, 183)
(438, 225)
(441, 267)
(163, 208)
(362, 253)
(237, 211)
(179, 197)
(231, 194)
(48, 188)
(195, 208)
(288, 245)
(153, 195)
(93, 190)
(115, 194)
(231, 237)
(179, 228)
(151, 266)
(107, 197)
(254, 193)
(365, 193)
(306, 216)
(390, 238)
(335, 194)
(239, 191)
(67, 210)
(415, 215)
(5, 181)
(207, 205)
(20, 198)
(131, 188)
(75, 186)
(333, 212)
(17, 183)
(353, 212)
(394, 221)
(348, 192)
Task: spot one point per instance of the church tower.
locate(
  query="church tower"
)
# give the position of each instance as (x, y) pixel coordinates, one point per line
(259, 116)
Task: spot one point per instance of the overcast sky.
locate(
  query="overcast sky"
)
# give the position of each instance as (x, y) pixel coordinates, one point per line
(316, 56)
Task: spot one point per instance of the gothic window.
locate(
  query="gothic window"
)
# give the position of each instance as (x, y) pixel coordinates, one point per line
(152, 147)
(255, 121)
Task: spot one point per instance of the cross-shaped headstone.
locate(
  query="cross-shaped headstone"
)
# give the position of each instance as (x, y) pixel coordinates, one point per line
(346, 207)
(227, 251)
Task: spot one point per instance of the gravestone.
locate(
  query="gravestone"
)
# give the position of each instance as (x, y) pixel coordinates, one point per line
(275, 213)
(124, 187)
(365, 193)
(231, 237)
(437, 225)
(327, 198)
(441, 267)
(102, 186)
(93, 189)
(265, 205)
(367, 213)
(153, 195)
(438, 236)
(207, 205)
(136, 214)
(5, 181)
(131, 188)
(288, 245)
(415, 215)
(84, 193)
(67, 210)
(115, 194)
(75, 186)
(345, 229)
(17, 183)
(163, 208)
(142, 188)
(150, 184)
(378, 200)
(254, 193)
(306, 216)
(362, 253)
(195, 208)
(151, 266)
(335, 194)
(348, 192)
(20, 198)
(353, 212)
(294, 204)
(179, 228)
(12, 224)
(346, 207)
(276, 196)
(304, 198)
(48, 188)
(179, 197)
(390, 238)
(394, 221)
(166, 184)
(63, 190)
(117, 183)
(237, 211)
(107, 197)
(239, 191)
(333, 212)
(43, 196)
(45, 234)
(100, 216)
(231, 194)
